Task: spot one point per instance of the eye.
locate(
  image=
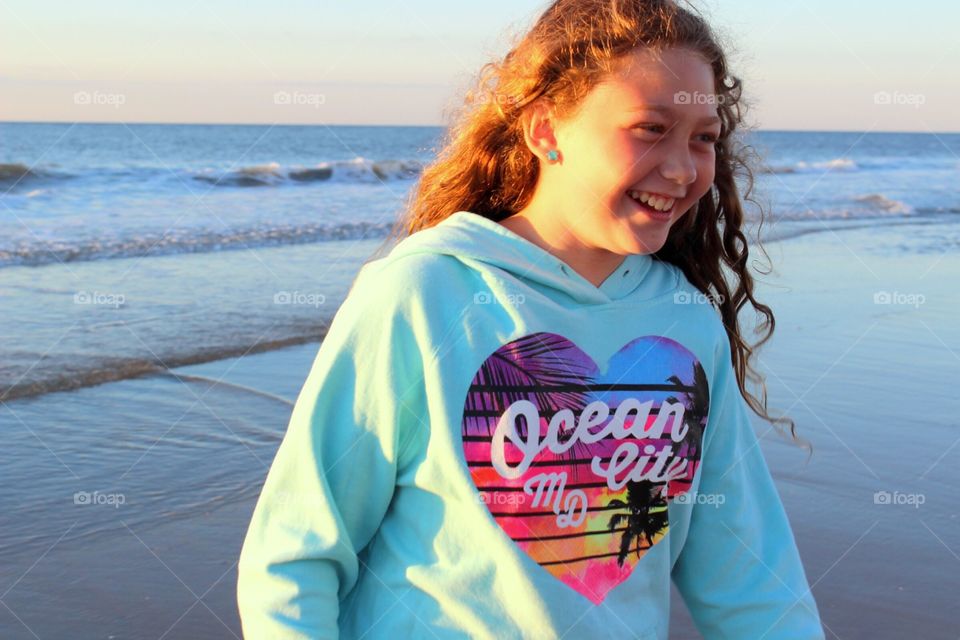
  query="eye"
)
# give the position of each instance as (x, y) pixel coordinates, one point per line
(711, 138)
(652, 128)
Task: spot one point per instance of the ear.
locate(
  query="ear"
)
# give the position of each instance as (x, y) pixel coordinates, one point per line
(539, 128)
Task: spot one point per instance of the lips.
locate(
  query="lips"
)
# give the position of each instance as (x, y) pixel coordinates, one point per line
(651, 211)
(651, 200)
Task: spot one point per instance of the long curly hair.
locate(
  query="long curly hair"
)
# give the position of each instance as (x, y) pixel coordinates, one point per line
(484, 165)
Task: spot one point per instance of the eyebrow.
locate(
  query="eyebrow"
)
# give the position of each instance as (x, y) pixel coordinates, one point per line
(669, 111)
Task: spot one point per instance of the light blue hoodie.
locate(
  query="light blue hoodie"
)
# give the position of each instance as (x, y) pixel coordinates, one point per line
(489, 446)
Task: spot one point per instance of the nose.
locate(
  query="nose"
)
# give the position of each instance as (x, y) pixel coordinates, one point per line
(678, 165)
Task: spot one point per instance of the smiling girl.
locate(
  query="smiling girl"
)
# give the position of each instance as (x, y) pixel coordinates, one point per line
(631, 161)
(531, 416)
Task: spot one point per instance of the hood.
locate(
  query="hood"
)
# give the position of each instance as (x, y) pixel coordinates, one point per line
(484, 244)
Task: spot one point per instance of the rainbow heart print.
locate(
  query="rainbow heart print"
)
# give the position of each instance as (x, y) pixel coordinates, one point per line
(577, 465)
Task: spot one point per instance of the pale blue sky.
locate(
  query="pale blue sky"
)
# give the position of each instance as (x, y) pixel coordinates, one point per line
(811, 64)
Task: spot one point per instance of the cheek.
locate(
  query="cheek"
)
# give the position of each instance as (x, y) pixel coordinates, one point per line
(706, 172)
(623, 165)
(601, 170)
(611, 154)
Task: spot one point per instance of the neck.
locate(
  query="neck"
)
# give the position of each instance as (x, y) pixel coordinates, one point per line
(544, 230)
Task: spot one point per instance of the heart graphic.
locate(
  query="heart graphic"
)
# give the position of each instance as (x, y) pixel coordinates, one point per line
(576, 465)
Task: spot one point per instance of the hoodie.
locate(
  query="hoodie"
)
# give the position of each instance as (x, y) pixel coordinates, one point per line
(489, 446)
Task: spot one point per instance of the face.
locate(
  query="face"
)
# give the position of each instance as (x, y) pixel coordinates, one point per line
(648, 130)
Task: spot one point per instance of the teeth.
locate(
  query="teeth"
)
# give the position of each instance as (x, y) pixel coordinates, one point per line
(656, 202)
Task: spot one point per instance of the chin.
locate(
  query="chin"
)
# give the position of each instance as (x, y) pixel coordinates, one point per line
(646, 249)
(645, 244)
(642, 239)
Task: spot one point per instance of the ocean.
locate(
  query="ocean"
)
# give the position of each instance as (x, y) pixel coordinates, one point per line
(124, 248)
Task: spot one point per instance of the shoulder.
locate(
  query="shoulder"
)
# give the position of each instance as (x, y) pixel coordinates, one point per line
(409, 276)
(413, 267)
(417, 290)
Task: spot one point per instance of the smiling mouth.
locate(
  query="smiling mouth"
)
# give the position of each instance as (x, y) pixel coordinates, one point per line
(665, 214)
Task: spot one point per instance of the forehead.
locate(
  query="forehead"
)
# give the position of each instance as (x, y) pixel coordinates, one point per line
(646, 78)
(667, 67)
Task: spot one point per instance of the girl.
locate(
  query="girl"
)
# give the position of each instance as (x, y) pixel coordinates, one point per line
(531, 416)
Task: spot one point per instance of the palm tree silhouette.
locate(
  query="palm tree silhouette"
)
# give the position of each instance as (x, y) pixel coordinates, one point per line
(697, 407)
(544, 368)
(642, 522)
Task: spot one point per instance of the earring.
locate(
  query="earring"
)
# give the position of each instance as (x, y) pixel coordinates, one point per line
(553, 155)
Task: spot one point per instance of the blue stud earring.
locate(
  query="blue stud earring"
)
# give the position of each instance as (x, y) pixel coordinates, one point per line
(552, 155)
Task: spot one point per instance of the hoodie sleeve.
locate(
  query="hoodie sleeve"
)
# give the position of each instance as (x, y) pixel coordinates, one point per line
(334, 473)
(739, 570)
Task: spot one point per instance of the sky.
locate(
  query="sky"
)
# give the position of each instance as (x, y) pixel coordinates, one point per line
(806, 65)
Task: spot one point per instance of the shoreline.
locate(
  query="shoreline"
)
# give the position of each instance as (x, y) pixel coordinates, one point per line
(137, 369)
(115, 368)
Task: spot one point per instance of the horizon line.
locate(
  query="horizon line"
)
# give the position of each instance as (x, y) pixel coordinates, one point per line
(413, 126)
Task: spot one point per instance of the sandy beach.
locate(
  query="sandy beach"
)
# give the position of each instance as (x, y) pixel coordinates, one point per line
(129, 500)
